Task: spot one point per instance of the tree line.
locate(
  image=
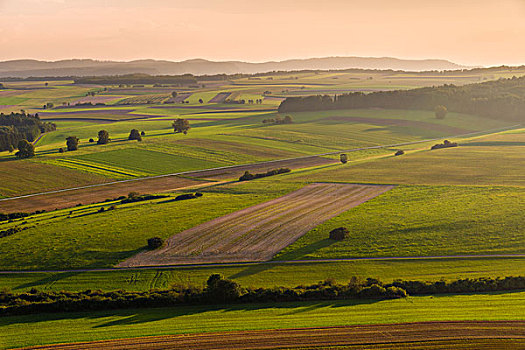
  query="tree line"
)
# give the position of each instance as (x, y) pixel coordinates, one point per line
(137, 79)
(16, 127)
(502, 99)
(219, 290)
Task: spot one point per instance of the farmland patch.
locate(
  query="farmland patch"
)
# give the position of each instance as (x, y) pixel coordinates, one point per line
(258, 232)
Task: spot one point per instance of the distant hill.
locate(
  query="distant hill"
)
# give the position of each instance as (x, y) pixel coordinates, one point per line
(88, 67)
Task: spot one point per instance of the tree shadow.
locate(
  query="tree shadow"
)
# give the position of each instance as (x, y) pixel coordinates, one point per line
(47, 280)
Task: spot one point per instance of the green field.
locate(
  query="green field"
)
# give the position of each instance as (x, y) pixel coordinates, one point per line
(467, 200)
(267, 275)
(20, 331)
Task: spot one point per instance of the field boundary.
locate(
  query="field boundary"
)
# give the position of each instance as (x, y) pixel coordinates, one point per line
(278, 262)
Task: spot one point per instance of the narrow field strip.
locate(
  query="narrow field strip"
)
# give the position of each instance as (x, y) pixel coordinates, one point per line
(257, 233)
(510, 332)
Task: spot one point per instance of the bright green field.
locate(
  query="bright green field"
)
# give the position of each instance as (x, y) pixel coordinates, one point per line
(20, 331)
(423, 221)
(267, 275)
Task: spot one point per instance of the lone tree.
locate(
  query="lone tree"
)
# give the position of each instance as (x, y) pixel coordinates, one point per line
(72, 143)
(343, 158)
(181, 125)
(440, 111)
(103, 137)
(399, 152)
(134, 134)
(25, 149)
(200, 100)
(174, 94)
(339, 233)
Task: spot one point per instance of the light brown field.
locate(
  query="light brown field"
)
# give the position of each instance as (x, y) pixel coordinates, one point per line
(257, 233)
(423, 335)
(70, 198)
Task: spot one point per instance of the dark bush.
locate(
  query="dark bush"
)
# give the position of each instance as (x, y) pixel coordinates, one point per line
(343, 158)
(134, 134)
(445, 144)
(91, 140)
(399, 153)
(60, 150)
(155, 242)
(248, 176)
(338, 234)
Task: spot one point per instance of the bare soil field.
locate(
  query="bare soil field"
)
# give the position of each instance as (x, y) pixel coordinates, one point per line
(70, 197)
(423, 335)
(257, 233)
(220, 97)
(448, 130)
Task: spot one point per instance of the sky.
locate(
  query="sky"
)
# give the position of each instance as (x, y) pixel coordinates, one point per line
(475, 33)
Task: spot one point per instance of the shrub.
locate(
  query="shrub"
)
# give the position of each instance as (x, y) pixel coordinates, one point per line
(221, 290)
(142, 133)
(399, 153)
(155, 242)
(91, 140)
(338, 234)
(60, 150)
(445, 144)
(343, 158)
(248, 176)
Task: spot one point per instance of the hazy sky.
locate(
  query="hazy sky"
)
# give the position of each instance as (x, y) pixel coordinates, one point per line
(481, 32)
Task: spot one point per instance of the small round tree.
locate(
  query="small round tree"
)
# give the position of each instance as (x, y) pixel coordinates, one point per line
(400, 152)
(343, 158)
(339, 233)
(25, 149)
(135, 135)
(103, 137)
(72, 143)
(155, 242)
(440, 111)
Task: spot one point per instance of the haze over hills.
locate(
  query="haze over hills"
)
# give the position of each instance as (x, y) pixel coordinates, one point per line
(89, 67)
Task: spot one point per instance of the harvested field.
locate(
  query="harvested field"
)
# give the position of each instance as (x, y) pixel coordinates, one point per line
(257, 233)
(181, 97)
(220, 97)
(422, 335)
(236, 171)
(447, 130)
(68, 198)
(93, 194)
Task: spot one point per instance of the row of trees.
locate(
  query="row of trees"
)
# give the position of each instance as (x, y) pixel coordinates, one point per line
(219, 290)
(500, 99)
(103, 138)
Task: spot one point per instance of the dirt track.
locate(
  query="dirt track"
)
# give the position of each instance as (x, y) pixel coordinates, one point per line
(257, 233)
(423, 335)
(101, 192)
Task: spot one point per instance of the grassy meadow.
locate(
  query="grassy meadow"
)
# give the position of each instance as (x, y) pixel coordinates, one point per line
(29, 330)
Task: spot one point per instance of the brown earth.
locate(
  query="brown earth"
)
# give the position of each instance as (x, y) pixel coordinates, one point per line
(447, 130)
(99, 192)
(422, 335)
(257, 233)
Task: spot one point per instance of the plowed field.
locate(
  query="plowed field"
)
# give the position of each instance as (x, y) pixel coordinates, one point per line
(257, 233)
(424, 335)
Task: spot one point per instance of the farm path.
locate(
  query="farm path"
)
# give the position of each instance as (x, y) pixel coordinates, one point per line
(421, 335)
(257, 233)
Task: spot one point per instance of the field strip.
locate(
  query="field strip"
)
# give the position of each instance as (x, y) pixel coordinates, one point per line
(280, 262)
(365, 335)
(270, 162)
(257, 233)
